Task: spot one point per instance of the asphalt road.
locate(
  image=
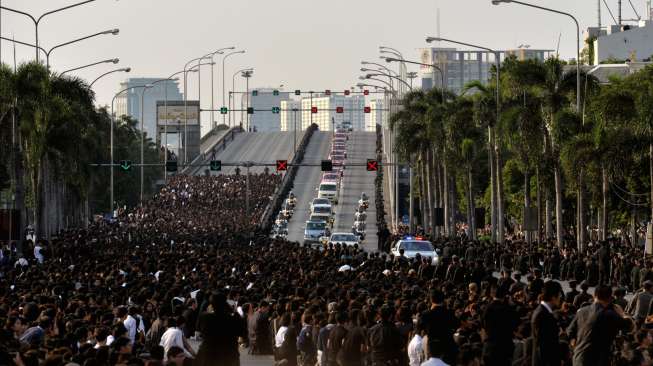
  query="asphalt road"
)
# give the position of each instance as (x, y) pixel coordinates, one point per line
(360, 147)
(307, 179)
(265, 147)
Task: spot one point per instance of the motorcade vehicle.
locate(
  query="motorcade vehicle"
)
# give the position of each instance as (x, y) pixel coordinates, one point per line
(328, 190)
(348, 239)
(413, 245)
(314, 231)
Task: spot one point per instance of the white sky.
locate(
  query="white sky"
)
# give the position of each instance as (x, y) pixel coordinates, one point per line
(303, 44)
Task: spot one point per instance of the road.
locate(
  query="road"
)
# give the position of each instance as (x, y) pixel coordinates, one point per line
(254, 146)
(307, 179)
(360, 147)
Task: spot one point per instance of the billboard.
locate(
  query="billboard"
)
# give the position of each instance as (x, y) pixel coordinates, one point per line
(426, 57)
(174, 114)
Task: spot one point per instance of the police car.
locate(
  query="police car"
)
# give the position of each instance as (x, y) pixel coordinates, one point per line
(413, 245)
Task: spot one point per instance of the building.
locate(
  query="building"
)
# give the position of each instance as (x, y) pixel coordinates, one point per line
(327, 117)
(376, 115)
(462, 66)
(129, 102)
(620, 42)
(290, 115)
(263, 100)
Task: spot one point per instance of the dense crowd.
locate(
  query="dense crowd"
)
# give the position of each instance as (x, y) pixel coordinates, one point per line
(147, 288)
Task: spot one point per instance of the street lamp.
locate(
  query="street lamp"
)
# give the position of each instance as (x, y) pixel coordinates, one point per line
(233, 89)
(247, 74)
(496, 217)
(47, 53)
(223, 77)
(38, 20)
(111, 60)
(390, 59)
(124, 69)
(498, 2)
(199, 59)
(380, 73)
(219, 51)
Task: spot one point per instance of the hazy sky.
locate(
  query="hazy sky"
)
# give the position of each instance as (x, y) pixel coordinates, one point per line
(303, 44)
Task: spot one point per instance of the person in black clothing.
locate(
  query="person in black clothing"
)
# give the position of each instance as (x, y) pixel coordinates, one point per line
(604, 264)
(220, 331)
(546, 347)
(336, 338)
(385, 340)
(440, 324)
(499, 322)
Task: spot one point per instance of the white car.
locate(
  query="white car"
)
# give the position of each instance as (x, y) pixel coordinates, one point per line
(413, 246)
(323, 211)
(319, 201)
(348, 239)
(328, 190)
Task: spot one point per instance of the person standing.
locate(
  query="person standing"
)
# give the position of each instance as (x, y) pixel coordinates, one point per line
(259, 331)
(640, 305)
(385, 340)
(440, 324)
(546, 348)
(499, 323)
(595, 327)
(220, 330)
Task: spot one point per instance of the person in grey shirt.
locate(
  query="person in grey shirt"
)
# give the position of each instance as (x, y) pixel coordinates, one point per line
(640, 305)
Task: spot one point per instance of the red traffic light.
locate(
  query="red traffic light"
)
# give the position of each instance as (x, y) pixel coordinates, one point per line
(313, 109)
(283, 165)
(366, 92)
(372, 165)
(339, 109)
(327, 92)
(367, 109)
(347, 91)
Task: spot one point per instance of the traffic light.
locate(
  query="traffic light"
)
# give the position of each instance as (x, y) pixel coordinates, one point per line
(275, 92)
(250, 110)
(347, 91)
(254, 93)
(327, 92)
(171, 166)
(313, 110)
(366, 92)
(367, 109)
(298, 92)
(216, 165)
(224, 110)
(372, 165)
(327, 165)
(276, 110)
(125, 165)
(282, 165)
(339, 109)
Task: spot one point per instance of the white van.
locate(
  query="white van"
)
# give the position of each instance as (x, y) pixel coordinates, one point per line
(328, 190)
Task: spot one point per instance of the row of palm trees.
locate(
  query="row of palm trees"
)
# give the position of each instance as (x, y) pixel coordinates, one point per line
(50, 134)
(540, 146)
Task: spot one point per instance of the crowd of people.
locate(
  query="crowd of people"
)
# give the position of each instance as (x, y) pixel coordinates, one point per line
(191, 268)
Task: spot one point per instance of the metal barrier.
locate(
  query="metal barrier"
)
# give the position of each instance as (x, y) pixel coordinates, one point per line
(221, 143)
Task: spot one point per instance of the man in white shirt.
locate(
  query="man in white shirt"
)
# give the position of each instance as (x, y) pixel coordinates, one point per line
(37, 253)
(174, 337)
(415, 349)
(128, 321)
(435, 352)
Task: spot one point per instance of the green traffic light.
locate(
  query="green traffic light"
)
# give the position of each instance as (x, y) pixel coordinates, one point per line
(224, 110)
(125, 165)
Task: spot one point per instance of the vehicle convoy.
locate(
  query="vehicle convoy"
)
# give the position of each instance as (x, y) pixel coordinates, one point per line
(314, 231)
(328, 190)
(323, 212)
(412, 246)
(348, 239)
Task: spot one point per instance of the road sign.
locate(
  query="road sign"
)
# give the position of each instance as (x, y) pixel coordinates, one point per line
(250, 110)
(298, 92)
(367, 109)
(276, 110)
(327, 92)
(254, 93)
(366, 92)
(372, 165)
(216, 165)
(313, 110)
(339, 109)
(282, 165)
(327, 165)
(275, 92)
(125, 165)
(224, 110)
(347, 91)
(171, 166)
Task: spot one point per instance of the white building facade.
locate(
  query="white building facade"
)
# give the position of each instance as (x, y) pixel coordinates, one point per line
(263, 120)
(327, 117)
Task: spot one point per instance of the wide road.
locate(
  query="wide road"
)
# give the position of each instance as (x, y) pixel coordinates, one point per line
(307, 179)
(261, 147)
(360, 147)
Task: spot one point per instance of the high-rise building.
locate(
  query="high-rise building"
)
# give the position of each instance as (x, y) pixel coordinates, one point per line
(263, 100)
(327, 116)
(376, 115)
(290, 115)
(129, 102)
(460, 67)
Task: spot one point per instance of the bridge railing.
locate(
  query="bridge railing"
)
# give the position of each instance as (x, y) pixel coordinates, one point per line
(287, 182)
(221, 143)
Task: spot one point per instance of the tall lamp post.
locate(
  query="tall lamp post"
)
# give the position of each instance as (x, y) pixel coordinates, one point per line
(199, 59)
(124, 69)
(48, 52)
(37, 21)
(498, 2)
(111, 60)
(224, 58)
(219, 51)
(247, 74)
(496, 218)
(233, 90)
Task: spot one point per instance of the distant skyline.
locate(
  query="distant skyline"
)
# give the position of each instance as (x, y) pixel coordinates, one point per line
(300, 44)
